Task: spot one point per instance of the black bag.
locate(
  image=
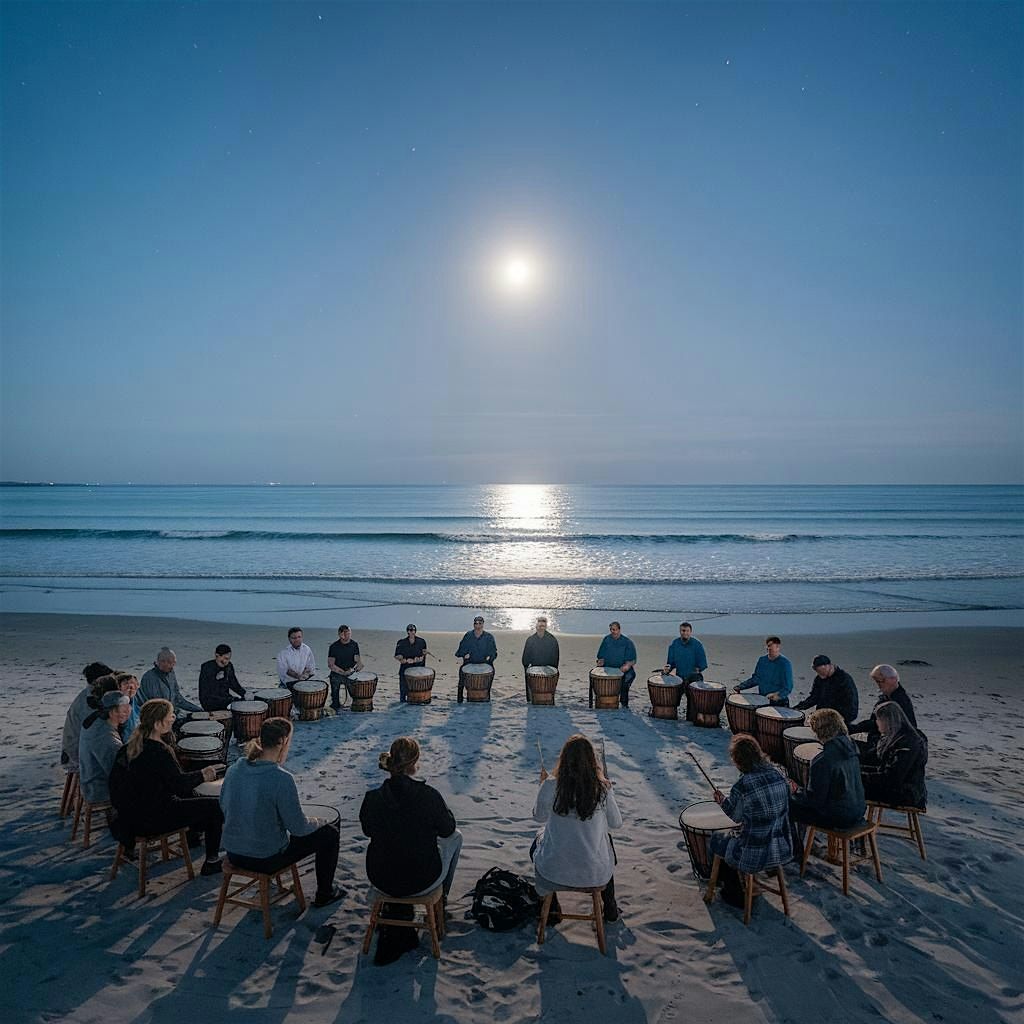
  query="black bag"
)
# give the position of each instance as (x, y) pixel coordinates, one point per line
(503, 900)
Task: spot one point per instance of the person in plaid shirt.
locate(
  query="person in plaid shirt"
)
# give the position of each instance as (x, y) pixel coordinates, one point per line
(759, 803)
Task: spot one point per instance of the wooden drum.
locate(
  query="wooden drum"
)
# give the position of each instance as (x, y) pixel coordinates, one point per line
(741, 711)
(707, 700)
(203, 727)
(419, 683)
(699, 823)
(226, 719)
(361, 687)
(477, 680)
(246, 718)
(801, 757)
(279, 702)
(199, 752)
(606, 684)
(791, 739)
(542, 680)
(310, 697)
(771, 724)
(666, 693)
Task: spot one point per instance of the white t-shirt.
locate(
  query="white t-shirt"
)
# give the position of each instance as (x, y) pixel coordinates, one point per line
(573, 852)
(297, 660)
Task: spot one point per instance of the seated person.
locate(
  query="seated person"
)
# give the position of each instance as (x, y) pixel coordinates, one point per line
(152, 795)
(295, 662)
(772, 675)
(100, 742)
(887, 679)
(759, 802)
(77, 712)
(160, 683)
(265, 828)
(414, 844)
(833, 688)
(834, 797)
(894, 772)
(574, 849)
(342, 660)
(617, 651)
(129, 686)
(217, 681)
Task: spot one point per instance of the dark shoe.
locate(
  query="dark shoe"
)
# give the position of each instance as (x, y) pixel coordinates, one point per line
(611, 913)
(734, 897)
(393, 943)
(326, 899)
(211, 867)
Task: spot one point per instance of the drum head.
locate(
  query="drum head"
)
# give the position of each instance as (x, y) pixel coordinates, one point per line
(269, 695)
(800, 734)
(807, 751)
(660, 679)
(199, 744)
(209, 788)
(541, 670)
(329, 814)
(201, 728)
(703, 684)
(249, 707)
(706, 816)
(477, 670)
(362, 677)
(606, 673)
(310, 686)
(419, 672)
(744, 700)
(781, 713)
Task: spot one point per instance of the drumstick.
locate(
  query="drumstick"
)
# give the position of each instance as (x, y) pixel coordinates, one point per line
(604, 760)
(541, 752)
(704, 773)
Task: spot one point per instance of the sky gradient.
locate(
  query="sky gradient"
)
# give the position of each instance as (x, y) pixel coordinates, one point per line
(774, 242)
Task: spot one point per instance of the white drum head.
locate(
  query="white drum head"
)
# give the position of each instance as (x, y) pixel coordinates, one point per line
(800, 734)
(201, 728)
(363, 677)
(703, 684)
(783, 713)
(269, 695)
(310, 686)
(542, 670)
(660, 679)
(807, 751)
(209, 788)
(745, 700)
(419, 672)
(199, 744)
(477, 670)
(707, 816)
(249, 707)
(607, 673)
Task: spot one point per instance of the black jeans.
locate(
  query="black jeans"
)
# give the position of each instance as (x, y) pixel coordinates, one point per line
(198, 812)
(627, 681)
(323, 843)
(337, 682)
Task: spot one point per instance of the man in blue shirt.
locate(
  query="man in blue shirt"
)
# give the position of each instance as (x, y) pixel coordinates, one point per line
(687, 660)
(477, 648)
(617, 651)
(773, 675)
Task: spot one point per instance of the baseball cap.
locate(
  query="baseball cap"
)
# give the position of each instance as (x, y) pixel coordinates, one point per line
(478, 618)
(821, 659)
(412, 626)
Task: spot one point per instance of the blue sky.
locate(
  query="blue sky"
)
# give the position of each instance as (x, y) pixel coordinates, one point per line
(771, 242)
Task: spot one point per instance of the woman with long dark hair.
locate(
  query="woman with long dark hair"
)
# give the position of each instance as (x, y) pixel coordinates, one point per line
(577, 806)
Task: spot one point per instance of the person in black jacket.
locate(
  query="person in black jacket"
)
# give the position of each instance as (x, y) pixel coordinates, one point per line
(414, 844)
(151, 793)
(834, 797)
(894, 773)
(833, 688)
(217, 681)
(887, 679)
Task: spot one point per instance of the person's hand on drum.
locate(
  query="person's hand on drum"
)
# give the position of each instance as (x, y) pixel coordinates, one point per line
(210, 773)
(736, 688)
(316, 822)
(719, 796)
(773, 697)
(793, 787)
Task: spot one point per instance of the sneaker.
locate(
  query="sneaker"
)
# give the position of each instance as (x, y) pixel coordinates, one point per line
(611, 914)
(211, 867)
(326, 899)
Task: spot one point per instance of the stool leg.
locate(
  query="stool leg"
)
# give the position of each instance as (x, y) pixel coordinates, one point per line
(165, 850)
(782, 890)
(807, 849)
(846, 867)
(713, 880)
(222, 898)
(873, 845)
(65, 799)
(78, 817)
(268, 927)
(749, 901)
(544, 908)
(599, 920)
(87, 833)
(143, 852)
(300, 896)
(183, 839)
(435, 946)
(374, 914)
(915, 820)
(117, 861)
(439, 914)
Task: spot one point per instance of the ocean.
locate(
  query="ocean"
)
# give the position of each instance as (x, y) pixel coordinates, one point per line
(375, 556)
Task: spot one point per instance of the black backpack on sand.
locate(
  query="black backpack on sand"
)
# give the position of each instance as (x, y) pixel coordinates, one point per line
(503, 901)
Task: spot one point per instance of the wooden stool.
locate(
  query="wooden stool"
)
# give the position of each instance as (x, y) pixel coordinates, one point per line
(844, 836)
(90, 809)
(596, 915)
(433, 916)
(145, 844)
(752, 885)
(265, 900)
(69, 798)
(911, 832)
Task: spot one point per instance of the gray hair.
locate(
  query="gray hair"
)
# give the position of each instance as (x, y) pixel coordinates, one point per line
(542, 618)
(892, 715)
(886, 672)
(166, 654)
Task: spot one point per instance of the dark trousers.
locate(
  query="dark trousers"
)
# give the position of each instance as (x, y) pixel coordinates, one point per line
(198, 812)
(693, 677)
(403, 689)
(337, 682)
(627, 681)
(323, 843)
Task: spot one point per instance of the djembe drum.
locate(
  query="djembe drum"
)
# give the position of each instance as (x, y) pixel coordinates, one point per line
(203, 727)
(772, 722)
(361, 687)
(279, 702)
(793, 738)
(310, 697)
(707, 700)
(801, 758)
(196, 752)
(606, 684)
(741, 711)
(419, 684)
(699, 823)
(477, 681)
(666, 693)
(541, 681)
(246, 718)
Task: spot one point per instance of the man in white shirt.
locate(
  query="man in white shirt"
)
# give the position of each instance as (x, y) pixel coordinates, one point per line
(296, 661)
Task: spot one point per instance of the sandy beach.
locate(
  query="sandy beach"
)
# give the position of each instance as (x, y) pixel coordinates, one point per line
(936, 941)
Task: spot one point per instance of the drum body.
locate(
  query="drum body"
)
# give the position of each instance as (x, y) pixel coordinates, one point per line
(791, 739)
(278, 701)
(542, 680)
(199, 752)
(666, 693)
(203, 727)
(310, 697)
(328, 815)
(802, 756)
(707, 700)
(741, 711)
(246, 718)
(607, 685)
(699, 823)
(477, 681)
(419, 684)
(361, 687)
(771, 724)
(226, 719)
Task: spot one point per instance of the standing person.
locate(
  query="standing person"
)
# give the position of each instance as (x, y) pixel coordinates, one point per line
(574, 849)
(833, 688)
(296, 661)
(100, 742)
(541, 648)
(617, 651)
(686, 657)
(414, 844)
(887, 679)
(894, 773)
(409, 652)
(477, 648)
(160, 683)
(217, 681)
(759, 802)
(772, 675)
(265, 828)
(76, 715)
(342, 660)
(152, 795)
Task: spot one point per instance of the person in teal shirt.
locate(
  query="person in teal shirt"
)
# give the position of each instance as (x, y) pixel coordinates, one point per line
(773, 675)
(617, 651)
(686, 657)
